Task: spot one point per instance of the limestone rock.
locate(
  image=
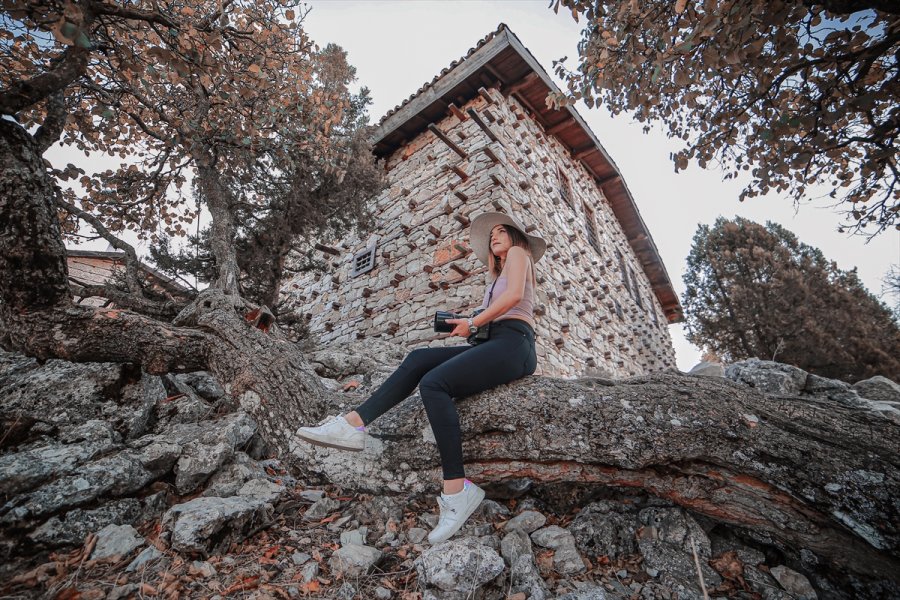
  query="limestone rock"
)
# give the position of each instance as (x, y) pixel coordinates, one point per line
(878, 388)
(566, 559)
(353, 560)
(708, 369)
(605, 529)
(460, 566)
(72, 528)
(116, 540)
(794, 583)
(767, 376)
(527, 520)
(205, 525)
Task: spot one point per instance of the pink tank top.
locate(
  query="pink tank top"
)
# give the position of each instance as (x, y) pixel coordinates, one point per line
(524, 310)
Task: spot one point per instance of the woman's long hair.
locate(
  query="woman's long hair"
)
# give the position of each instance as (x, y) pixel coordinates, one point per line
(517, 238)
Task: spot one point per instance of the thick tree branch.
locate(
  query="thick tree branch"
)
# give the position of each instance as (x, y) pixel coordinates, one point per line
(24, 94)
(48, 133)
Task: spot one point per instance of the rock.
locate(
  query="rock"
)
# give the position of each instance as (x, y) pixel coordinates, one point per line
(321, 509)
(488, 509)
(147, 556)
(768, 377)
(566, 559)
(515, 548)
(23, 471)
(382, 593)
(211, 446)
(202, 569)
(591, 592)
(115, 475)
(204, 525)
(354, 560)
(345, 592)
(708, 369)
(879, 389)
(416, 535)
(228, 480)
(461, 566)
(312, 495)
(379, 510)
(527, 521)
(356, 537)
(72, 528)
(794, 583)
(203, 383)
(299, 558)
(141, 397)
(116, 540)
(262, 489)
(156, 455)
(605, 529)
(309, 571)
(665, 544)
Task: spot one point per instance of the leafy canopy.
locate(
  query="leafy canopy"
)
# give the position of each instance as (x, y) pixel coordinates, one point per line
(799, 93)
(757, 291)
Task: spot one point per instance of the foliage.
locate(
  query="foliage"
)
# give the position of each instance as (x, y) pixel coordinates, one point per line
(755, 291)
(799, 93)
(233, 93)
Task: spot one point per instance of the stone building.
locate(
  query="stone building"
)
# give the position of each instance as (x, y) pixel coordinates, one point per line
(479, 137)
(91, 267)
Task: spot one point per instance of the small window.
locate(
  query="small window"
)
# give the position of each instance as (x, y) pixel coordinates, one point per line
(591, 229)
(363, 261)
(619, 310)
(565, 188)
(637, 290)
(623, 271)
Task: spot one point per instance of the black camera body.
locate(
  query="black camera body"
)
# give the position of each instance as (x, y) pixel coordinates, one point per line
(442, 326)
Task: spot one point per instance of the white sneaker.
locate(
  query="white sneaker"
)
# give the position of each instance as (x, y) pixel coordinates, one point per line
(455, 509)
(334, 432)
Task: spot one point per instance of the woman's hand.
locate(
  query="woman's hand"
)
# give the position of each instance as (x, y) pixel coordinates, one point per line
(461, 329)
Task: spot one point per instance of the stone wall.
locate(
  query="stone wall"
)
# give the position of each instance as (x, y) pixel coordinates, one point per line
(594, 306)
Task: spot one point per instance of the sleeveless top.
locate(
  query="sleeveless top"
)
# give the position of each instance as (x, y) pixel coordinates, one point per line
(524, 310)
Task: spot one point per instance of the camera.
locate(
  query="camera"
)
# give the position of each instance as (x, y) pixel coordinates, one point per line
(442, 326)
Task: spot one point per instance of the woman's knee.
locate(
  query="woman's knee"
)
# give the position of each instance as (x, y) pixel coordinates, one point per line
(430, 384)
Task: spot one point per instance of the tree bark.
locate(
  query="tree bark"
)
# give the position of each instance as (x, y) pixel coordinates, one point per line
(808, 472)
(266, 373)
(222, 229)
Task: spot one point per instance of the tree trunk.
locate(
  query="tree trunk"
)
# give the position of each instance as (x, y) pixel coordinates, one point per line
(266, 373)
(808, 472)
(223, 229)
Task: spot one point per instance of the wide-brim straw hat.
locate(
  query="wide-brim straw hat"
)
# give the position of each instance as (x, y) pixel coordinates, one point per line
(480, 235)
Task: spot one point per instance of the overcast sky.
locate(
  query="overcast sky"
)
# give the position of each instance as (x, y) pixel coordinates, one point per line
(398, 46)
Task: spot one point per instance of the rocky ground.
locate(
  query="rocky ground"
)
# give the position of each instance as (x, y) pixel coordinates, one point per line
(116, 485)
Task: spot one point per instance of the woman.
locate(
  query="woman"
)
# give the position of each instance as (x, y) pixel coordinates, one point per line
(442, 374)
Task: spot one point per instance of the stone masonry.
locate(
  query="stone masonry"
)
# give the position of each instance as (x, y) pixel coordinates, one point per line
(595, 311)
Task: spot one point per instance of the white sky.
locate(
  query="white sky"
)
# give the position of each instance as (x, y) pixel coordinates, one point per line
(398, 46)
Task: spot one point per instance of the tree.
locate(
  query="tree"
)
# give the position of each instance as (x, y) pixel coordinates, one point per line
(217, 88)
(755, 291)
(797, 92)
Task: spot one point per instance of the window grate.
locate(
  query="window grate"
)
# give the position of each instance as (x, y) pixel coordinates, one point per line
(591, 229)
(363, 262)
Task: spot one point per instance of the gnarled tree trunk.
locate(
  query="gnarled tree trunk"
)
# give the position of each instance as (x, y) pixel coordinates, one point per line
(268, 375)
(805, 471)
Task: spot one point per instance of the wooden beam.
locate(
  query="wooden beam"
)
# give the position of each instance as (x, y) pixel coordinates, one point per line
(454, 110)
(482, 124)
(493, 71)
(523, 83)
(580, 153)
(327, 249)
(609, 178)
(443, 137)
(486, 95)
(559, 126)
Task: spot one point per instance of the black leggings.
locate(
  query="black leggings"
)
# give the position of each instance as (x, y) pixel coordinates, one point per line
(455, 372)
